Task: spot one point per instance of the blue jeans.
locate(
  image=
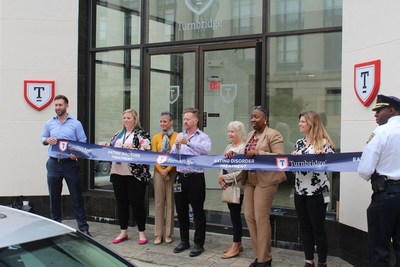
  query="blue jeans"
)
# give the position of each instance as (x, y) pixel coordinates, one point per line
(68, 170)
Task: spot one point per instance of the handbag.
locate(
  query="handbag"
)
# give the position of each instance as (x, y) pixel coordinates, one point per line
(231, 194)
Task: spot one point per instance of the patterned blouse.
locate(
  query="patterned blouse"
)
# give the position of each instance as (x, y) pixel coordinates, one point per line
(311, 183)
(140, 140)
(252, 143)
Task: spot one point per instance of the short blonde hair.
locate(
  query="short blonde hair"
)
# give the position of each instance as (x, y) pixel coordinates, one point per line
(238, 127)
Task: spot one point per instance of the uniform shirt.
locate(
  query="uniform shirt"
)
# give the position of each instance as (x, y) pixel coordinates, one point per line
(71, 129)
(381, 153)
(200, 144)
(311, 183)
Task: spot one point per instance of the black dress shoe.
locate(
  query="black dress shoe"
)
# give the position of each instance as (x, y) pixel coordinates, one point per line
(196, 251)
(87, 233)
(182, 247)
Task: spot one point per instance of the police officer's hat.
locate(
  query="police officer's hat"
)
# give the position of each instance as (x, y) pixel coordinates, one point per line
(387, 101)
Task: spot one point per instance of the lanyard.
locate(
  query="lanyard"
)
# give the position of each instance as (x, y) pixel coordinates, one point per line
(126, 137)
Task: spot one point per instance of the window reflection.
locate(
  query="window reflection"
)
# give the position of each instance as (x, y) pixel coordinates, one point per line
(289, 15)
(116, 89)
(187, 20)
(302, 75)
(117, 23)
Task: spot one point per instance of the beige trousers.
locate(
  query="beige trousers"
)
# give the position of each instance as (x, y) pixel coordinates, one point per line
(257, 208)
(164, 205)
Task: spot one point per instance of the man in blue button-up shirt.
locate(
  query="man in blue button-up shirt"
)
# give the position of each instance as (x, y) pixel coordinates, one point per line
(61, 166)
(192, 189)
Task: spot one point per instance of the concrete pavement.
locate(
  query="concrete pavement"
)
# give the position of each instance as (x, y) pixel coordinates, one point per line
(150, 255)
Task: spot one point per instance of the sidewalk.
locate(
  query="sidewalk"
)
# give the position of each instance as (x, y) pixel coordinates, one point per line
(150, 255)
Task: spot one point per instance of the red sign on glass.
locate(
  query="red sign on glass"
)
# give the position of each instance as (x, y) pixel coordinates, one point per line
(214, 85)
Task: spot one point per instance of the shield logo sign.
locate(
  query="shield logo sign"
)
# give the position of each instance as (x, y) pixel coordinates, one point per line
(367, 78)
(39, 94)
(228, 92)
(198, 6)
(173, 93)
(282, 163)
(162, 159)
(63, 146)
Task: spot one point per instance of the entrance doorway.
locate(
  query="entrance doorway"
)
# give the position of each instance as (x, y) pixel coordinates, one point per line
(219, 80)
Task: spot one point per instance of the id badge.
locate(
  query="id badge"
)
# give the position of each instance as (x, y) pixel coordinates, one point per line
(177, 188)
(326, 196)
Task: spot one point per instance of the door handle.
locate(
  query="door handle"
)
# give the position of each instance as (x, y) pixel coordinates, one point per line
(204, 119)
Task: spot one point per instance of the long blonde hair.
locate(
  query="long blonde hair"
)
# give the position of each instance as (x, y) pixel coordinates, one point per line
(317, 132)
(137, 122)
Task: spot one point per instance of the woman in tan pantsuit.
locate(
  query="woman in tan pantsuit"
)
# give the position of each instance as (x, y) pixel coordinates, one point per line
(261, 186)
(163, 181)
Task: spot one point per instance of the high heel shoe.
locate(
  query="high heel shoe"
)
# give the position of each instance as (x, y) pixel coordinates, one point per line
(158, 240)
(309, 264)
(254, 263)
(142, 241)
(119, 240)
(168, 240)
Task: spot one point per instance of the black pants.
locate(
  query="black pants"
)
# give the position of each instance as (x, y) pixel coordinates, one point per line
(383, 216)
(236, 219)
(193, 193)
(311, 211)
(129, 193)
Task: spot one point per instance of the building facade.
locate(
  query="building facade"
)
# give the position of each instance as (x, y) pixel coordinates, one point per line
(220, 56)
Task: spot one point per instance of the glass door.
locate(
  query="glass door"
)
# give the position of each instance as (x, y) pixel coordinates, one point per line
(172, 87)
(219, 80)
(228, 95)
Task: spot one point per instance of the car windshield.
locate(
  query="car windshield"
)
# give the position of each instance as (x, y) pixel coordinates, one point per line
(65, 250)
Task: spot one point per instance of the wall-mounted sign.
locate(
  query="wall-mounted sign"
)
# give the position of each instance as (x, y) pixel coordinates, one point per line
(198, 7)
(367, 77)
(202, 22)
(39, 94)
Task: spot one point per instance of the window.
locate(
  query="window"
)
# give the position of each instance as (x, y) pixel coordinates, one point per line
(297, 81)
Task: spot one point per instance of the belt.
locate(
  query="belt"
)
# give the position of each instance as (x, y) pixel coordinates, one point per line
(393, 182)
(187, 174)
(62, 159)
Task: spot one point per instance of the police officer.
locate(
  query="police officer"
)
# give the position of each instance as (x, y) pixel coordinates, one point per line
(380, 164)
